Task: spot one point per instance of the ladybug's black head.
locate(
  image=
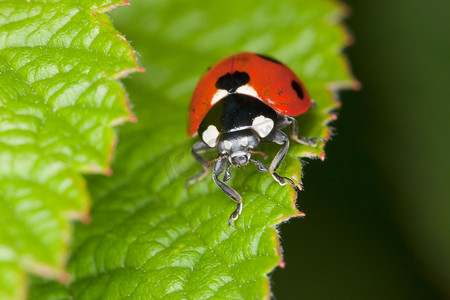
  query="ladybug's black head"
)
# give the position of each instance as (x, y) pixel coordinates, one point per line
(237, 145)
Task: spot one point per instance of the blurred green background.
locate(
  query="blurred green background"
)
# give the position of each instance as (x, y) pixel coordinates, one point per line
(377, 224)
(377, 220)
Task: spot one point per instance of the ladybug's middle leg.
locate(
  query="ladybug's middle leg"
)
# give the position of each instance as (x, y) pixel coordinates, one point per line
(299, 139)
(197, 148)
(220, 166)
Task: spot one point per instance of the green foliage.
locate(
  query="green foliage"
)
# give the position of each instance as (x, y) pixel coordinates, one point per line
(151, 237)
(58, 102)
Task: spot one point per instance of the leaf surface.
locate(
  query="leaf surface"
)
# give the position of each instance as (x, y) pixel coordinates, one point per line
(149, 236)
(58, 102)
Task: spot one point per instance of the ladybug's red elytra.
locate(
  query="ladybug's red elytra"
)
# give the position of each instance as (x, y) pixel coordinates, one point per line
(243, 100)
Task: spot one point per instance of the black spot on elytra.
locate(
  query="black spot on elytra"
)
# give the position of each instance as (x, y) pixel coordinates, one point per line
(231, 82)
(270, 59)
(298, 89)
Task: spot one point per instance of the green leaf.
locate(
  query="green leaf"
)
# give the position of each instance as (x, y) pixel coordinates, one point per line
(48, 290)
(58, 103)
(149, 237)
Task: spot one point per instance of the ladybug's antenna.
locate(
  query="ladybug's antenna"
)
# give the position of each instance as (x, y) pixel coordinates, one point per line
(264, 155)
(209, 163)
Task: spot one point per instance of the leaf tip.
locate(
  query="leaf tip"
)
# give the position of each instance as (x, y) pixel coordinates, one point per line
(121, 36)
(83, 216)
(127, 72)
(132, 119)
(342, 11)
(357, 85)
(124, 73)
(86, 218)
(352, 84)
(112, 6)
(48, 271)
(108, 171)
(63, 277)
(345, 9)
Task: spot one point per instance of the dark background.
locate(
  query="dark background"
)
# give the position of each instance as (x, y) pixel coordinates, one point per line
(377, 222)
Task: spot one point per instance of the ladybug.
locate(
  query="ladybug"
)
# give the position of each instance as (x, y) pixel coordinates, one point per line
(241, 101)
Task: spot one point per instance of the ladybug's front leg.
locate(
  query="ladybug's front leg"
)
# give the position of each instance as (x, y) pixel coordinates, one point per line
(300, 139)
(197, 148)
(220, 166)
(279, 138)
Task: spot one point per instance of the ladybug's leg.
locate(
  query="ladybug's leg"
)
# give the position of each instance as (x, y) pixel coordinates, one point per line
(220, 166)
(199, 147)
(299, 139)
(227, 175)
(260, 165)
(279, 138)
(262, 168)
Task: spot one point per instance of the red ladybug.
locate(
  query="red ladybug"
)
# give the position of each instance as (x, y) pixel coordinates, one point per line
(243, 100)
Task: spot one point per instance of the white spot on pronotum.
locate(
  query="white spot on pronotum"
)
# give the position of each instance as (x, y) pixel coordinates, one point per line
(218, 95)
(262, 125)
(247, 90)
(210, 135)
(227, 144)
